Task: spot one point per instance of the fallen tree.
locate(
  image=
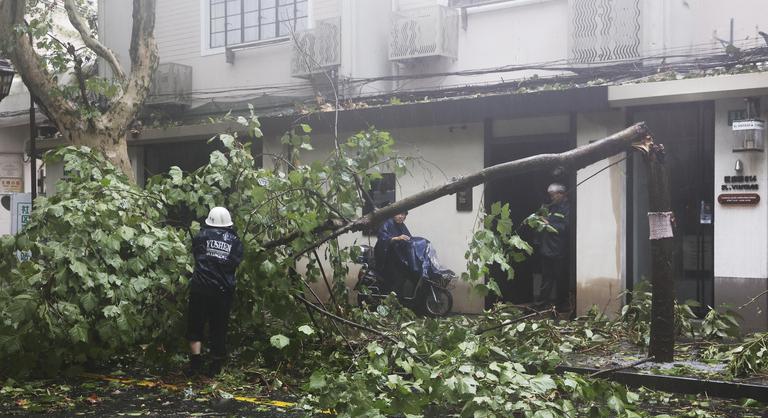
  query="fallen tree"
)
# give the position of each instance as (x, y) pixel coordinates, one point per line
(108, 258)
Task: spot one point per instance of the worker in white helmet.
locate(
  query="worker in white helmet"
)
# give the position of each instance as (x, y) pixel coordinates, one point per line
(554, 251)
(218, 251)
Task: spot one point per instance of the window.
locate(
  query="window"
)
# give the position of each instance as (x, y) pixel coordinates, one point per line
(234, 22)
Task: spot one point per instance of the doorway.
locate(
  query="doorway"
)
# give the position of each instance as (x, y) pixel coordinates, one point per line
(525, 194)
(687, 132)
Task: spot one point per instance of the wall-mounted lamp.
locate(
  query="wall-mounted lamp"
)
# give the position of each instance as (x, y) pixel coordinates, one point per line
(749, 133)
(738, 167)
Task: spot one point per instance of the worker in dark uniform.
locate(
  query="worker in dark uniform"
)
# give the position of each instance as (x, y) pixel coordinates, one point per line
(218, 251)
(554, 248)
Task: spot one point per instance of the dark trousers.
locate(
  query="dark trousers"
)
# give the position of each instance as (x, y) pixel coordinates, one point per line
(555, 280)
(212, 308)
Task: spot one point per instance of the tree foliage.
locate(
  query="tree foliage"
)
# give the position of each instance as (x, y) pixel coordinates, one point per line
(109, 259)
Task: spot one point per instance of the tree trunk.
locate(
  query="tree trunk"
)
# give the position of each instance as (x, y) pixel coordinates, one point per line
(571, 160)
(662, 344)
(106, 132)
(111, 144)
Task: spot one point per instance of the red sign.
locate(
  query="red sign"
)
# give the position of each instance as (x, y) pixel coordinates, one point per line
(738, 199)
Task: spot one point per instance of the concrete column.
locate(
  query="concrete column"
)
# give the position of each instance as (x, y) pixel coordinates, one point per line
(741, 232)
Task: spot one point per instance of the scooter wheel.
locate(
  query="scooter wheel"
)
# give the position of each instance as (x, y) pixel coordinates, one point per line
(438, 302)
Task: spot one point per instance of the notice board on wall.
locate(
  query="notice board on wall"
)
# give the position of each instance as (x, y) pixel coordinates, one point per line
(11, 173)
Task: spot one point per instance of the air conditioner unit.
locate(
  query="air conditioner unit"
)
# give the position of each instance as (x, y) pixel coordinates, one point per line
(318, 49)
(424, 32)
(608, 30)
(170, 85)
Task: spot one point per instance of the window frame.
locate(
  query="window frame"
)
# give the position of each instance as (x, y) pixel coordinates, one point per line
(205, 25)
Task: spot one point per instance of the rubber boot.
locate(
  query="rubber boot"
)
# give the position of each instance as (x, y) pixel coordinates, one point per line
(195, 366)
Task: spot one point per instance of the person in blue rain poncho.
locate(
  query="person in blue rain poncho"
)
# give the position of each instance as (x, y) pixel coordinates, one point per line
(401, 258)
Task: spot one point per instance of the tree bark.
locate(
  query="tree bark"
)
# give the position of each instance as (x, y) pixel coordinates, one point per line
(111, 144)
(662, 344)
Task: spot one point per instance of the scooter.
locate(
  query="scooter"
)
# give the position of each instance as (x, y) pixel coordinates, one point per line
(430, 295)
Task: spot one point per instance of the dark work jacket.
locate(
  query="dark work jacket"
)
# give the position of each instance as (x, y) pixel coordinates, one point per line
(556, 245)
(217, 252)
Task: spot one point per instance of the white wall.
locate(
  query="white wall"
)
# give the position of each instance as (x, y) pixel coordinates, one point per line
(690, 25)
(12, 142)
(456, 153)
(600, 221)
(741, 232)
(511, 35)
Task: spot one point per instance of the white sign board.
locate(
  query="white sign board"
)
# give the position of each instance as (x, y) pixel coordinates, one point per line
(12, 165)
(748, 125)
(21, 209)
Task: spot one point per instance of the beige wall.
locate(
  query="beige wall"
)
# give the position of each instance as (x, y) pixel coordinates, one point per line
(600, 223)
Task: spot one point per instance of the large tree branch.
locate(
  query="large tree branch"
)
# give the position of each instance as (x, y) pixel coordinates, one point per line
(570, 160)
(102, 51)
(30, 65)
(144, 60)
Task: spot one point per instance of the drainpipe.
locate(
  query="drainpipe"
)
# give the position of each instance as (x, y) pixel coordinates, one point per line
(33, 146)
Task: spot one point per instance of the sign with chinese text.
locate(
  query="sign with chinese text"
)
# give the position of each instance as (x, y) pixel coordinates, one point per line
(11, 185)
(21, 209)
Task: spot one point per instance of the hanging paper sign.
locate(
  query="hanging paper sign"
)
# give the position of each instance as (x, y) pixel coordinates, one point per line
(660, 225)
(738, 199)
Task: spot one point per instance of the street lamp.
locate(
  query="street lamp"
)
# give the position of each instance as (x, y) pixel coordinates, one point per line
(6, 78)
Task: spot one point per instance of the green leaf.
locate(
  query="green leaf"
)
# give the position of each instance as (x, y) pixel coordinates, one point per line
(279, 341)
(306, 329)
(79, 268)
(126, 232)
(79, 333)
(542, 384)
(176, 175)
(218, 159)
(89, 301)
(111, 311)
(616, 404)
(268, 267)
(229, 140)
(317, 380)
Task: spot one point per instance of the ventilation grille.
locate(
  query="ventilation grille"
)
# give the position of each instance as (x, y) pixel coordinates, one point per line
(425, 32)
(604, 30)
(317, 49)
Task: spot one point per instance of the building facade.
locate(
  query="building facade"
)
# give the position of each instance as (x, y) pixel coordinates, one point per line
(465, 84)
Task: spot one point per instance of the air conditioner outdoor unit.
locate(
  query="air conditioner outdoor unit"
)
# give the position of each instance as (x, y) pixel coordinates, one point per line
(424, 32)
(318, 49)
(170, 85)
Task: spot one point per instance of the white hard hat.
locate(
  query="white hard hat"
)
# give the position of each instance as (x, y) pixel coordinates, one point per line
(556, 187)
(219, 217)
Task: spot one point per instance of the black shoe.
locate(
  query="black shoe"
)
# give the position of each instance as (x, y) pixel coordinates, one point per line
(195, 366)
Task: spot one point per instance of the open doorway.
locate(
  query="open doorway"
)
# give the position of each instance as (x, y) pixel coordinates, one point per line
(687, 132)
(525, 194)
